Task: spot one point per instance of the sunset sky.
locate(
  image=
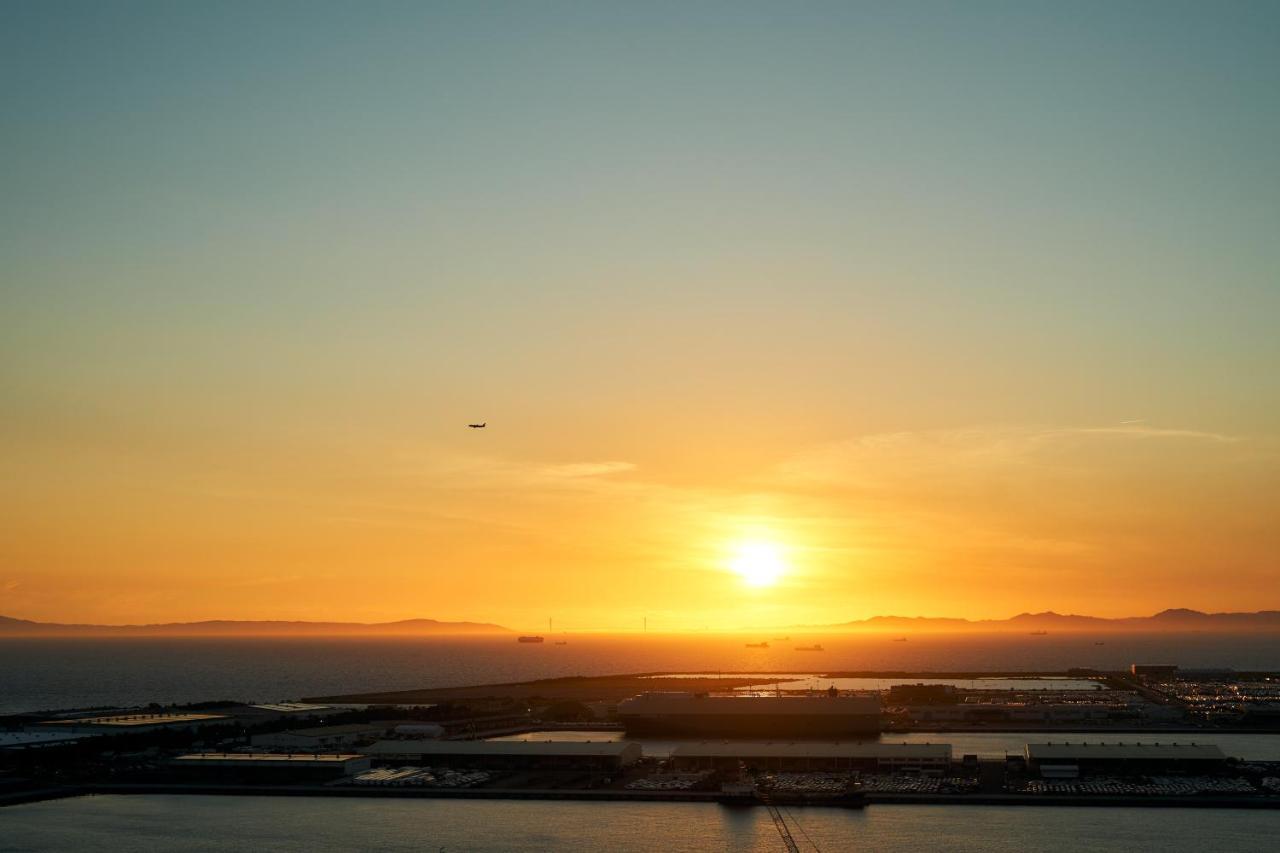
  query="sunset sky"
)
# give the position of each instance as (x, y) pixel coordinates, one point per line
(926, 308)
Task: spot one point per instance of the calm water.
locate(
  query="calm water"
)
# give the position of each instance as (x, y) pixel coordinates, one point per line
(61, 673)
(1247, 746)
(155, 823)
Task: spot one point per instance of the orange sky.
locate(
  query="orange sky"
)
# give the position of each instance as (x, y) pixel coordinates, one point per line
(978, 522)
(961, 312)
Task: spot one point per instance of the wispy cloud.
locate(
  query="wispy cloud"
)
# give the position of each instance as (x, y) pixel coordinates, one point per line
(587, 469)
(912, 455)
(1139, 429)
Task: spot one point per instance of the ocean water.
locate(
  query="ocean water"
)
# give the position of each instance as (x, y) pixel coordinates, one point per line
(43, 674)
(141, 824)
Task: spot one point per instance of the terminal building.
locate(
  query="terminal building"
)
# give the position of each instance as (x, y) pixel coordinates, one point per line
(699, 714)
(1070, 759)
(802, 756)
(508, 754)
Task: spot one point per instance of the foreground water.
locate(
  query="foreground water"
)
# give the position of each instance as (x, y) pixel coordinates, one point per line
(40, 674)
(154, 823)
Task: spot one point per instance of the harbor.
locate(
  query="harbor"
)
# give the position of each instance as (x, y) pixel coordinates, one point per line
(1107, 739)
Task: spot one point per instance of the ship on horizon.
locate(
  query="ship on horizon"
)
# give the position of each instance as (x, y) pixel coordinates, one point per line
(529, 639)
(816, 647)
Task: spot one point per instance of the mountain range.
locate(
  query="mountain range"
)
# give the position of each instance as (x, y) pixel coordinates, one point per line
(1176, 619)
(10, 627)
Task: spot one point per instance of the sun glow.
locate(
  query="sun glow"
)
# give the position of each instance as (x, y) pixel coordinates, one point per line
(759, 564)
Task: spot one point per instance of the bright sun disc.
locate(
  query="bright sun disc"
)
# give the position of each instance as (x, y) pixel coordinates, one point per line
(758, 563)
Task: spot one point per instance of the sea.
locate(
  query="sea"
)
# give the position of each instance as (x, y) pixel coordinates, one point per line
(62, 673)
(143, 824)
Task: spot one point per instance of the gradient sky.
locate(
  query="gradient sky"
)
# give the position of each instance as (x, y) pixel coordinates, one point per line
(968, 308)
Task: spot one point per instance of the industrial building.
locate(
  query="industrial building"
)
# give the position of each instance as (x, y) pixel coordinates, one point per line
(254, 714)
(134, 723)
(509, 755)
(1066, 759)
(1153, 670)
(267, 767)
(927, 758)
(698, 714)
(320, 738)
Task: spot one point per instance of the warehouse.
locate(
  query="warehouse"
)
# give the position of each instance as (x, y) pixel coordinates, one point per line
(320, 738)
(1064, 759)
(135, 723)
(254, 714)
(928, 758)
(509, 755)
(678, 714)
(266, 767)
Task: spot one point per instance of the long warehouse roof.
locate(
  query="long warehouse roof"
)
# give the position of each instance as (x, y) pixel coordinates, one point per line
(808, 749)
(262, 759)
(692, 703)
(500, 747)
(1124, 751)
(136, 720)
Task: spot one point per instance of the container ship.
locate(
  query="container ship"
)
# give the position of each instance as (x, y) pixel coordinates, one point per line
(528, 639)
(826, 716)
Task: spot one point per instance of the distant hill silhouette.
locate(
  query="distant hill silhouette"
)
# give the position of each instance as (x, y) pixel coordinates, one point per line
(1177, 619)
(10, 627)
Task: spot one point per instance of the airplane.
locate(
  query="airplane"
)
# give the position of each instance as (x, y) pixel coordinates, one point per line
(478, 426)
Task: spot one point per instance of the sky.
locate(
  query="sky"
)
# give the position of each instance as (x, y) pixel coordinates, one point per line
(925, 308)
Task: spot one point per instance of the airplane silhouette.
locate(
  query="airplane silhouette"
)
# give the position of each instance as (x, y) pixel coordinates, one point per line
(478, 426)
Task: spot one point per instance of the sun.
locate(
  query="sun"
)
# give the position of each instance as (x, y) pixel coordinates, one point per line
(759, 564)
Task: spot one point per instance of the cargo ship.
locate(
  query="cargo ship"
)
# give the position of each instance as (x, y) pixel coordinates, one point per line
(757, 645)
(828, 716)
(813, 648)
(528, 639)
